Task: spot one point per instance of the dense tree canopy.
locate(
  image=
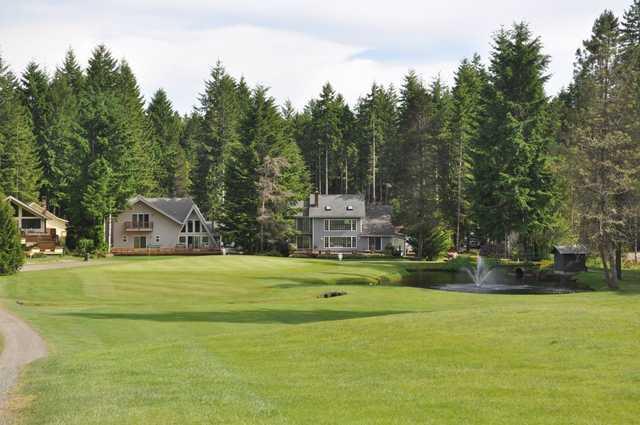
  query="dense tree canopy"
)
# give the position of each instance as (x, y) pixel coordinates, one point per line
(492, 159)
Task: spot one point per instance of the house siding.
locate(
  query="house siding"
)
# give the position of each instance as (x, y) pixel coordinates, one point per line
(319, 234)
(163, 227)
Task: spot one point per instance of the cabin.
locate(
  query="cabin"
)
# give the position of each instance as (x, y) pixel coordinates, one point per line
(570, 258)
(41, 231)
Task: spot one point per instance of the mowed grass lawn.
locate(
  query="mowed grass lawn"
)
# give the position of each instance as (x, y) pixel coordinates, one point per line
(246, 340)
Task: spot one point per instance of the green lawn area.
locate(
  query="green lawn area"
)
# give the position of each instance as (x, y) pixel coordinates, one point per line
(246, 340)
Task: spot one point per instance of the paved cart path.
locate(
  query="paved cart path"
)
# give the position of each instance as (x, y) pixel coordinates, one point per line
(22, 345)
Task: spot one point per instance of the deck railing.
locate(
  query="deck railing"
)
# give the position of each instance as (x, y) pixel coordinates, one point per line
(138, 227)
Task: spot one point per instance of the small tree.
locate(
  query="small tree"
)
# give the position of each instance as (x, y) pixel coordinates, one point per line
(11, 253)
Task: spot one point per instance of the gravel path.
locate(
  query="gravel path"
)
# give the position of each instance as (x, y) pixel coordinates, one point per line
(22, 345)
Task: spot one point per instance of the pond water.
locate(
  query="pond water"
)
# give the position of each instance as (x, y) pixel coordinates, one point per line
(501, 282)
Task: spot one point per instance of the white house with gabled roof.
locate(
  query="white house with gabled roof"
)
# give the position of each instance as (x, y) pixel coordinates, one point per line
(151, 226)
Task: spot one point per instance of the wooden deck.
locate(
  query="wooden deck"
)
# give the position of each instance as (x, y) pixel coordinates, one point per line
(165, 251)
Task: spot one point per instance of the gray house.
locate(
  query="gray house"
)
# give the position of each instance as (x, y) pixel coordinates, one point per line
(156, 226)
(345, 223)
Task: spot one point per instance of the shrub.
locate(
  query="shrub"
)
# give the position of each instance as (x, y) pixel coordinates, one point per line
(11, 252)
(85, 247)
(435, 242)
(392, 251)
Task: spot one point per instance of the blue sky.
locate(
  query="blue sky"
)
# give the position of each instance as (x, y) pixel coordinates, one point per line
(291, 46)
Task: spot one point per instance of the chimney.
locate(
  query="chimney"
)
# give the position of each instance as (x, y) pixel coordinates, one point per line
(317, 199)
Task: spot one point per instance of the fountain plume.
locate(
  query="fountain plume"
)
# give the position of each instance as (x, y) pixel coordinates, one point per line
(481, 272)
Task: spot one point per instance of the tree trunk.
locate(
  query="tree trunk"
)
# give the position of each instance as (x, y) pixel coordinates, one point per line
(619, 261)
(605, 265)
(614, 267)
(326, 171)
(458, 224)
(635, 245)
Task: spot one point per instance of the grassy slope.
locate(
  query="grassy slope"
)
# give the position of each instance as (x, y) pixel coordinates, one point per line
(246, 340)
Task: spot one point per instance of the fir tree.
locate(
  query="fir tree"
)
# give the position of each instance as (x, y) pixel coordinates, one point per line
(11, 253)
(513, 184)
(630, 30)
(19, 166)
(165, 125)
(35, 96)
(470, 80)
(416, 203)
(220, 122)
(607, 159)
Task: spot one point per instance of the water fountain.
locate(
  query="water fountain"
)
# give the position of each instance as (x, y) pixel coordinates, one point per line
(481, 272)
(485, 279)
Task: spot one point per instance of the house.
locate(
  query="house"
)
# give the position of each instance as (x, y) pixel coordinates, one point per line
(162, 226)
(41, 230)
(570, 259)
(345, 224)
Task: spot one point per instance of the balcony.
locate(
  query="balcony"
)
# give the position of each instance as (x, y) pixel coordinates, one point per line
(130, 226)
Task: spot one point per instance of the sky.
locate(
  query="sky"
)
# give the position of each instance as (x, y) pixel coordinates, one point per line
(291, 46)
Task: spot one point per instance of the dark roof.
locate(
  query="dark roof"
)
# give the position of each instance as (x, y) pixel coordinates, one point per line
(570, 249)
(378, 221)
(176, 208)
(347, 206)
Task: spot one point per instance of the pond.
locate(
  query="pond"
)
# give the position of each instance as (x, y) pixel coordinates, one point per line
(502, 281)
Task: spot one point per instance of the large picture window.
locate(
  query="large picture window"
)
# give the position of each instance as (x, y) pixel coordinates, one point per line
(31, 223)
(345, 224)
(340, 242)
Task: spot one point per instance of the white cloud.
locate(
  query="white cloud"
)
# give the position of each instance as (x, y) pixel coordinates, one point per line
(291, 46)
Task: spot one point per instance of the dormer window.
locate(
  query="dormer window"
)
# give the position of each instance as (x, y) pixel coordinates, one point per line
(349, 207)
(327, 207)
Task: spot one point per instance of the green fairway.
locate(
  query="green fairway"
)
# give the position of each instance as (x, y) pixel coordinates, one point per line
(246, 340)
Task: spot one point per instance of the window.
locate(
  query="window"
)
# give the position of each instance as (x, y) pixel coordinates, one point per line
(303, 242)
(31, 223)
(157, 238)
(182, 240)
(124, 238)
(139, 241)
(190, 226)
(303, 225)
(349, 207)
(340, 242)
(196, 225)
(140, 221)
(205, 241)
(348, 224)
(184, 228)
(327, 208)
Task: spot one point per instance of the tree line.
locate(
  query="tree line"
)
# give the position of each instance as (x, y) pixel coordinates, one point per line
(492, 159)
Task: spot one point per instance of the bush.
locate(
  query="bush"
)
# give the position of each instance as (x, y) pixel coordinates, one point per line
(85, 247)
(392, 251)
(11, 252)
(435, 242)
